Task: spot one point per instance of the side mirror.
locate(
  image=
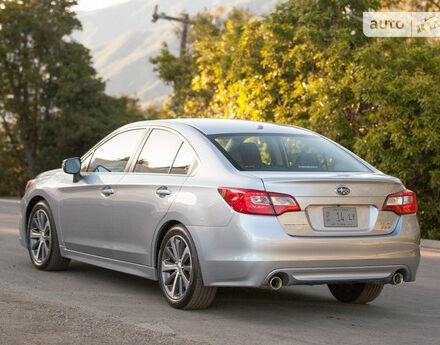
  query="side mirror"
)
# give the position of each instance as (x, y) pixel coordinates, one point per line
(72, 166)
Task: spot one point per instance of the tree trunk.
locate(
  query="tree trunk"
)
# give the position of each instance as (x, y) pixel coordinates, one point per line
(30, 159)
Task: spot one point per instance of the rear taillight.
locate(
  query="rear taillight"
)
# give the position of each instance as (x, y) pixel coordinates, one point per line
(404, 202)
(283, 203)
(259, 202)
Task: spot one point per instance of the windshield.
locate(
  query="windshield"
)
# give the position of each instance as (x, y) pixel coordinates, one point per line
(274, 152)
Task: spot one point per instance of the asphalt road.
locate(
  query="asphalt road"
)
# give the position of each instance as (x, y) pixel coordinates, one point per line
(89, 305)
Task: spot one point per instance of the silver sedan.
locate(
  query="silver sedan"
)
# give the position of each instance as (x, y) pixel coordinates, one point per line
(200, 203)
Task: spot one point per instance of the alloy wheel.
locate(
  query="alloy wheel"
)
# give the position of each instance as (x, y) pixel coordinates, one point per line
(40, 236)
(176, 267)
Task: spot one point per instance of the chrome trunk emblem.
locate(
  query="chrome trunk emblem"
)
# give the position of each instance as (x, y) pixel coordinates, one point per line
(343, 190)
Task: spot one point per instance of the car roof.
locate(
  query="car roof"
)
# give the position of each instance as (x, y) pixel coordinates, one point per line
(225, 126)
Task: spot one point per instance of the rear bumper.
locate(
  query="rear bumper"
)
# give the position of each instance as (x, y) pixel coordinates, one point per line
(252, 248)
(325, 275)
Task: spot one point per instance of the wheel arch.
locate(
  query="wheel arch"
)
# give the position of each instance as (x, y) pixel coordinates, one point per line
(35, 200)
(159, 237)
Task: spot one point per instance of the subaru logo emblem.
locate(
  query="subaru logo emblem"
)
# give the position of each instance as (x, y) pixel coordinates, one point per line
(342, 190)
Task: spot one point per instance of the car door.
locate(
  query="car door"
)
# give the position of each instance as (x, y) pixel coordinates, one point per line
(146, 193)
(87, 209)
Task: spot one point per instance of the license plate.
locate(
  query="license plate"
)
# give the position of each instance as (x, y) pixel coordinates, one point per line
(340, 217)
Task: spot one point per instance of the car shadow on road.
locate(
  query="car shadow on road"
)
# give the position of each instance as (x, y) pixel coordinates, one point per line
(239, 302)
(108, 276)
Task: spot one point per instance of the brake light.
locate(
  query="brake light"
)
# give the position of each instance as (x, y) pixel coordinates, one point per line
(259, 202)
(404, 202)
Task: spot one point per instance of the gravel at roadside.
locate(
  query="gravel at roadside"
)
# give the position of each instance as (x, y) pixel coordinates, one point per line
(27, 320)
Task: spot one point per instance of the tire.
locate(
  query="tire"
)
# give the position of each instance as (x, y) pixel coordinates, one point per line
(181, 280)
(43, 245)
(359, 293)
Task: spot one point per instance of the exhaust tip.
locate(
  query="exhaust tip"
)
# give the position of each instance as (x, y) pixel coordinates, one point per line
(397, 278)
(275, 283)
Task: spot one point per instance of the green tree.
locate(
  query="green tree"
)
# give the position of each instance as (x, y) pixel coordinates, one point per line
(412, 5)
(12, 175)
(177, 72)
(31, 42)
(399, 79)
(289, 67)
(52, 104)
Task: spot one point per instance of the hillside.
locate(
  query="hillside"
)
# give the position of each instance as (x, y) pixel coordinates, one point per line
(122, 38)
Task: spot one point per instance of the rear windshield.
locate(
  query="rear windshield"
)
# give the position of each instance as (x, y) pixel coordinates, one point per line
(274, 152)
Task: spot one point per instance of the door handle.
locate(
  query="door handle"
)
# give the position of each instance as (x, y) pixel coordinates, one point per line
(163, 191)
(107, 191)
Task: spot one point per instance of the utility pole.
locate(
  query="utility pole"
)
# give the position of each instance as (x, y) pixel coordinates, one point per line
(186, 22)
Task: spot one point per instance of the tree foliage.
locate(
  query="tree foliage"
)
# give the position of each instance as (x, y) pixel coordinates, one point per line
(412, 5)
(176, 72)
(309, 64)
(399, 79)
(52, 104)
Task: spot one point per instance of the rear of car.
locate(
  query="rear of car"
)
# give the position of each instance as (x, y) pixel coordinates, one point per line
(323, 216)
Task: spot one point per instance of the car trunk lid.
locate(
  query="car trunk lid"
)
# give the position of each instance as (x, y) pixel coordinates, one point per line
(325, 212)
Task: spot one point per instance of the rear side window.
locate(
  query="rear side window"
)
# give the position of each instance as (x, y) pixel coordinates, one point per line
(114, 154)
(273, 152)
(185, 161)
(158, 153)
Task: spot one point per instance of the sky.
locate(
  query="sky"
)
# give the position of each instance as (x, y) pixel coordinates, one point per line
(88, 5)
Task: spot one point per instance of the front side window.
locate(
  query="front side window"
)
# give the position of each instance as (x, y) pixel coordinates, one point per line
(114, 154)
(158, 153)
(273, 152)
